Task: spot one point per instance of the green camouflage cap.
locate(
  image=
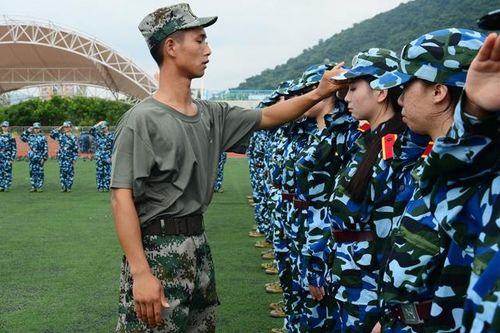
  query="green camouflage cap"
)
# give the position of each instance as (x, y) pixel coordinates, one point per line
(375, 62)
(441, 56)
(164, 21)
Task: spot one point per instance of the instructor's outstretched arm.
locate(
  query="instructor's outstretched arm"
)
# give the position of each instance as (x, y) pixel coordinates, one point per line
(293, 108)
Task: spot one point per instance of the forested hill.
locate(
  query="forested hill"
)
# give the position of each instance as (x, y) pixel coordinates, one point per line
(392, 29)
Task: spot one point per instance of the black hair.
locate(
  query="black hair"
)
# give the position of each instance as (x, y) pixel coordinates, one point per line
(359, 182)
(157, 52)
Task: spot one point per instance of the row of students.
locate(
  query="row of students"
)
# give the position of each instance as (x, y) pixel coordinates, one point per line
(384, 215)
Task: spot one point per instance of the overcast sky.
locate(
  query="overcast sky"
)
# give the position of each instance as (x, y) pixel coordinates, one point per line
(248, 37)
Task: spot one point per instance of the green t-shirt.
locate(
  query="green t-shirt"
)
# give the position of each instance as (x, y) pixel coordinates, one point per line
(169, 160)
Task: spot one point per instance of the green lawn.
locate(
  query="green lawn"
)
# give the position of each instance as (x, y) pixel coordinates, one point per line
(59, 256)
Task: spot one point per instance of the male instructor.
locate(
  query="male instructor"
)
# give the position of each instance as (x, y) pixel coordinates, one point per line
(164, 168)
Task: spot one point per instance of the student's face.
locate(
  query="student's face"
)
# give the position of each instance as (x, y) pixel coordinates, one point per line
(416, 101)
(37, 130)
(67, 129)
(361, 100)
(193, 53)
(5, 129)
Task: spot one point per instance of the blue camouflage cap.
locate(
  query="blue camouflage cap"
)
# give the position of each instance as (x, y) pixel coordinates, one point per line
(311, 76)
(163, 22)
(67, 123)
(268, 101)
(441, 56)
(374, 62)
(104, 124)
(37, 125)
(5, 124)
(283, 87)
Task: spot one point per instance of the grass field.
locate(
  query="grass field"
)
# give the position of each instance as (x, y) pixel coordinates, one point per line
(59, 256)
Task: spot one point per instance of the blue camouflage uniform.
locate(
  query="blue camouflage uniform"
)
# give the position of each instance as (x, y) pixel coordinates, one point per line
(66, 155)
(255, 153)
(467, 208)
(314, 170)
(37, 155)
(220, 172)
(8, 150)
(427, 271)
(104, 147)
(358, 227)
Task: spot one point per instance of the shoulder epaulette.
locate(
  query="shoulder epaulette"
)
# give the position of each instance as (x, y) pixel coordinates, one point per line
(428, 149)
(365, 127)
(388, 141)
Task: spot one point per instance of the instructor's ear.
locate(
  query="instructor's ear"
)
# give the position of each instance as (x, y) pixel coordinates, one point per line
(169, 47)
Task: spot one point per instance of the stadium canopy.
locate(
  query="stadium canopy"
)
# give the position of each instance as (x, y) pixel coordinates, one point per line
(39, 53)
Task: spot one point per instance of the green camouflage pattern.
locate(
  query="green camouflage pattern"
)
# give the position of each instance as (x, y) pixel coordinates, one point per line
(374, 62)
(185, 269)
(441, 56)
(164, 21)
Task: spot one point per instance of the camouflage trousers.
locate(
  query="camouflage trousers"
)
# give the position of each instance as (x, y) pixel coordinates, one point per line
(285, 277)
(103, 173)
(184, 267)
(317, 316)
(36, 173)
(356, 318)
(66, 173)
(5, 174)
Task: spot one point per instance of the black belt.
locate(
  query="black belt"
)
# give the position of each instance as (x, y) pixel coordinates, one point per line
(191, 225)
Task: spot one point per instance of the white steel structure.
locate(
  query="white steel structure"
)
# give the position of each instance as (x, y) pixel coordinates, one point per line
(36, 53)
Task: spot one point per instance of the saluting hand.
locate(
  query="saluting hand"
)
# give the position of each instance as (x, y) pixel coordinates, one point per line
(483, 76)
(149, 298)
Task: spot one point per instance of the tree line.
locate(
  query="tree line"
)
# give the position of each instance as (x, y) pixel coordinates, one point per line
(392, 29)
(80, 110)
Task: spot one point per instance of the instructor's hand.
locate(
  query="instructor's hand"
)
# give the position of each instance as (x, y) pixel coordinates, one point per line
(327, 86)
(149, 298)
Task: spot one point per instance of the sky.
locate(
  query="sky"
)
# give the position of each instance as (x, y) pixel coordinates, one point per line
(249, 36)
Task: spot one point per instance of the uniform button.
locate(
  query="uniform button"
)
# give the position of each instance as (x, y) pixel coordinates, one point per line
(401, 188)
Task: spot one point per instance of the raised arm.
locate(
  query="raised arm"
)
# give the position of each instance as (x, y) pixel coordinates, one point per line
(293, 108)
(483, 80)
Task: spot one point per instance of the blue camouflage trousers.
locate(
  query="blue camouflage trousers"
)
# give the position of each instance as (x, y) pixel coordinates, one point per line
(36, 173)
(5, 174)
(285, 276)
(103, 173)
(185, 269)
(357, 318)
(66, 173)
